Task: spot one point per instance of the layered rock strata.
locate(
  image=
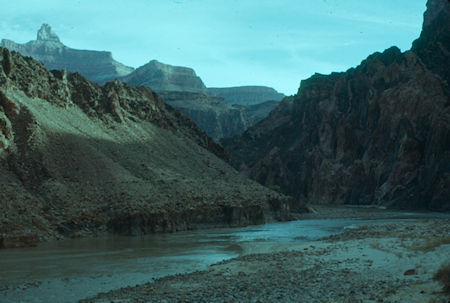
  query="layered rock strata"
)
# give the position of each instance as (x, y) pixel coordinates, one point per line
(164, 77)
(218, 120)
(98, 66)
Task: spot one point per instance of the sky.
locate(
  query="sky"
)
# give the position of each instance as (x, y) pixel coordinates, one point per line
(276, 43)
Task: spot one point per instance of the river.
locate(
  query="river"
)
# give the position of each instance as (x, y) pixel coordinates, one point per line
(69, 270)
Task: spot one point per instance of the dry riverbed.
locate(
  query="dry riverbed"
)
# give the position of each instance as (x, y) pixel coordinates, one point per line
(376, 262)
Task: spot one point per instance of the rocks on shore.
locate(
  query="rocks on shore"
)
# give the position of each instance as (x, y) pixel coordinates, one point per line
(349, 268)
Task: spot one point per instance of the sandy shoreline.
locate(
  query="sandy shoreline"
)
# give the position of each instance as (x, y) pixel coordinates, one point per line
(366, 263)
(377, 262)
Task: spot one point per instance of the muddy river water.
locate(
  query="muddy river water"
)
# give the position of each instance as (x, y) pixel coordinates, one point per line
(69, 270)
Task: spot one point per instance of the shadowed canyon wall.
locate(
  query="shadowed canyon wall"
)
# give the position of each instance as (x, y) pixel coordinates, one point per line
(376, 134)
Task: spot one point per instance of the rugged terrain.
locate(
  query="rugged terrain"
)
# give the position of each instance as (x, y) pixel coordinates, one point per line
(210, 108)
(213, 115)
(79, 159)
(217, 118)
(98, 66)
(376, 134)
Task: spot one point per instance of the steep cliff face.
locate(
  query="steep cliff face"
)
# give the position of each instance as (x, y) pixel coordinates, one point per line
(96, 66)
(376, 134)
(433, 45)
(163, 77)
(78, 159)
(246, 95)
(214, 116)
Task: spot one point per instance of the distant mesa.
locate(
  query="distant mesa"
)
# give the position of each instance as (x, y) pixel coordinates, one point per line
(164, 77)
(98, 66)
(210, 108)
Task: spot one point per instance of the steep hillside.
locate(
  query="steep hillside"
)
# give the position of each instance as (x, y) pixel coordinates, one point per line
(79, 159)
(246, 95)
(47, 48)
(376, 134)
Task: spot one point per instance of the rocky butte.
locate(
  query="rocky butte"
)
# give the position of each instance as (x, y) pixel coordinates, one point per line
(378, 133)
(80, 159)
(181, 86)
(164, 77)
(98, 66)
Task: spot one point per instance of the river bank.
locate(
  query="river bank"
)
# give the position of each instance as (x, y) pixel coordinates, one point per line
(374, 262)
(331, 254)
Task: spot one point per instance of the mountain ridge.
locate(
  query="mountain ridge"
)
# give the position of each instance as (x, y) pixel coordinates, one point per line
(375, 134)
(78, 159)
(98, 66)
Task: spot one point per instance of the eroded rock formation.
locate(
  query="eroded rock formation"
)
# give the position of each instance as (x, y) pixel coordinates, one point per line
(78, 159)
(98, 66)
(376, 134)
(213, 115)
(218, 120)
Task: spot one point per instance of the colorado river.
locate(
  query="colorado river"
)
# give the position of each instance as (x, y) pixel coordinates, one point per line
(69, 270)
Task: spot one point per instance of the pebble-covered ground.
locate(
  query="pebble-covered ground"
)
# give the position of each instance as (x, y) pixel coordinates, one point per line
(392, 262)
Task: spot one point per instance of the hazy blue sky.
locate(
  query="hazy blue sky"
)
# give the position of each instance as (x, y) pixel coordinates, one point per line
(228, 42)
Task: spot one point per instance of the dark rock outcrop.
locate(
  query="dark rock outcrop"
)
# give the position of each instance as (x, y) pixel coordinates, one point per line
(246, 95)
(163, 77)
(376, 134)
(78, 159)
(433, 45)
(98, 66)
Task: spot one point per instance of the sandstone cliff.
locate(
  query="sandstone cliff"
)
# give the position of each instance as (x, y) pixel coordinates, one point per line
(246, 95)
(98, 66)
(78, 159)
(163, 77)
(376, 134)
